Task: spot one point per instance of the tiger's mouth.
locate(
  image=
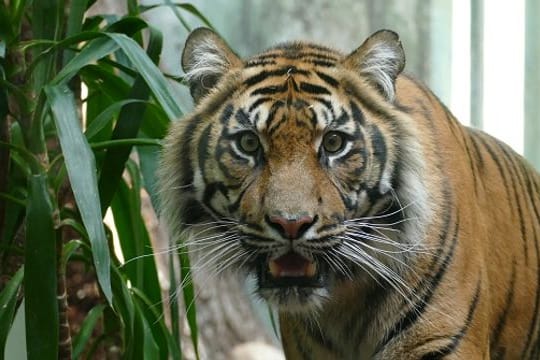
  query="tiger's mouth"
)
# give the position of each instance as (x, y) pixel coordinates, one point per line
(290, 270)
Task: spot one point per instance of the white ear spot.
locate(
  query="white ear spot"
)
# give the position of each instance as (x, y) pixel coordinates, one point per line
(206, 59)
(380, 59)
(382, 64)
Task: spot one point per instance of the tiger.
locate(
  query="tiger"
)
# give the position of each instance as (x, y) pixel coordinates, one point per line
(372, 221)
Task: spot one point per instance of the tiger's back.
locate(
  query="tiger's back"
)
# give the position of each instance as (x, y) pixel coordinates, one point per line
(376, 223)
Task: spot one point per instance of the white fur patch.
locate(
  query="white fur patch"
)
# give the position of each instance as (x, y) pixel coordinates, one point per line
(380, 63)
(207, 58)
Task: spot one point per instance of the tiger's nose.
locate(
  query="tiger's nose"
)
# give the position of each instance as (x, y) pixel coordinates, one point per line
(291, 228)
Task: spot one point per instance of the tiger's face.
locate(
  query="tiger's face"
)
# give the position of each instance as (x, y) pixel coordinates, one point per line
(289, 159)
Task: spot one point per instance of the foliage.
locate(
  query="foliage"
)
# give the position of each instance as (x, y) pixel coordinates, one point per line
(58, 178)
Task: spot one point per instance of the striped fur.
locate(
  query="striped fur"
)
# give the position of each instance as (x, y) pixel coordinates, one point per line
(425, 232)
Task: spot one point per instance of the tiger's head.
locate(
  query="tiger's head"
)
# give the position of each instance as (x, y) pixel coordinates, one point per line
(293, 168)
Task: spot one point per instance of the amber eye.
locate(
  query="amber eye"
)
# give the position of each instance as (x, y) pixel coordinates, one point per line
(333, 142)
(249, 142)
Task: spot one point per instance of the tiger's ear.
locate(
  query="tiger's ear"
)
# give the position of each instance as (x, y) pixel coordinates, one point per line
(206, 57)
(380, 59)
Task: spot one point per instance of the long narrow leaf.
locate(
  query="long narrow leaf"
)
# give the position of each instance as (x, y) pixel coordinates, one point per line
(95, 50)
(41, 307)
(149, 160)
(106, 117)
(81, 169)
(8, 300)
(150, 72)
(140, 265)
(81, 339)
(168, 347)
(74, 23)
(189, 297)
(129, 122)
(124, 307)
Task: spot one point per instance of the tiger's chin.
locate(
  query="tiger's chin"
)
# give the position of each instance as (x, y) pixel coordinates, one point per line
(293, 283)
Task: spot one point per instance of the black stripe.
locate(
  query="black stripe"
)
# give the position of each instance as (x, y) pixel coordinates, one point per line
(186, 178)
(357, 114)
(259, 62)
(419, 308)
(258, 102)
(494, 339)
(373, 104)
(272, 113)
(327, 79)
(478, 153)
(533, 325)
(236, 205)
(270, 90)
(296, 55)
(498, 164)
(471, 162)
(514, 176)
(226, 114)
(263, 75)
(210, 191)
(456, 338)
(203, 148)
(243, 119)
(341, 119)
(322, 63)
(313, 89)
(379, 146)
(276, 125)
(193, 212)
(326, 103)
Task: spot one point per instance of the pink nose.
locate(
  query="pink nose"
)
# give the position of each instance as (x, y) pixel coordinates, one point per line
(291, 228)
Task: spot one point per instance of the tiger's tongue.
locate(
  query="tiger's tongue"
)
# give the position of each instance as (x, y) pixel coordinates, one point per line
(291, 265)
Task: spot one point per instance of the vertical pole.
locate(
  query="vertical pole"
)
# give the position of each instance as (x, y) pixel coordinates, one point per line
(477, 62)
(440, 77)
(532, 83)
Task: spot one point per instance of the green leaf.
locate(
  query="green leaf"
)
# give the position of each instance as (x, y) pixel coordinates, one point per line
(140, 266)
(127, 126)
(8, 300)
(106, 117)
(173, 299)
(81, 339)
(93, 51)
(168, 347)
(124, 307)
(75, 17)
(125, 143)
(80, 164)
(145, 343)
(41, 306)
(151, 73)
(149, 161)
(194, 11)
(189, 297)
(45, 28)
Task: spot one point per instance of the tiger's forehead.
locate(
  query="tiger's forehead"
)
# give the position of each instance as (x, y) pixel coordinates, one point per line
(298, 53)
(298, 80)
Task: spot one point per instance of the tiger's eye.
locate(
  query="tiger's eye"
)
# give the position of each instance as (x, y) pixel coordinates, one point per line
(333, 142)
(249, 142)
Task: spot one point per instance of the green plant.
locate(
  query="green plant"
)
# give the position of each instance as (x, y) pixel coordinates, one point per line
(57, 180)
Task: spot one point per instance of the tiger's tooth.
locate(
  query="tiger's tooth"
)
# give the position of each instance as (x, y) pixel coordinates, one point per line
(311, 269)
(273, 268)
